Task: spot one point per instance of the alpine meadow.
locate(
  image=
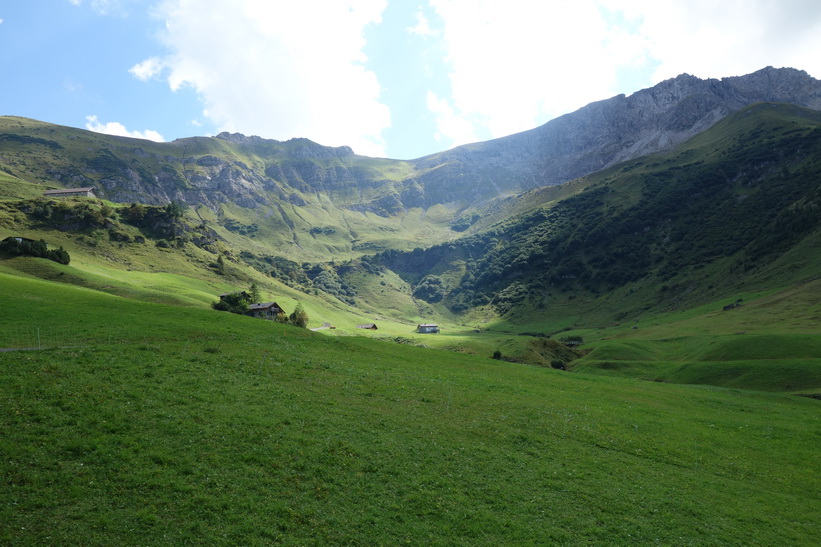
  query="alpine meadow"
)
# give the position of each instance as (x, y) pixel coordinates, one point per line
(604, 330)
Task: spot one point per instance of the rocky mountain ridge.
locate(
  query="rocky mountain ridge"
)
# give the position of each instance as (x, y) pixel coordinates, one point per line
(617, 129)
(254, 172)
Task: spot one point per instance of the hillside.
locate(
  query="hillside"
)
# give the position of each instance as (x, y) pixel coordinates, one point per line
(696, 224)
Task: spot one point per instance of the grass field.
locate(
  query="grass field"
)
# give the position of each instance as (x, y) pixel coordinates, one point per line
(171, 425)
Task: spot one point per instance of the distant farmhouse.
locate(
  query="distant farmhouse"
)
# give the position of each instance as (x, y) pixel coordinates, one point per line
(427, 328)
(70, 193)
(369, 326)
(18, 239)
(266, 310)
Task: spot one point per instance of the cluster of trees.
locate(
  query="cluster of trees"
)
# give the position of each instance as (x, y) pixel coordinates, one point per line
(71, 215)
(25, 247)
(163, 223)
(325, 278)
(430, 289)
(249, 230)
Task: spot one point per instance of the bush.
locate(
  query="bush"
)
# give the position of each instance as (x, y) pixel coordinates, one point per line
(299, 317)
(234, 303)
(37, 249)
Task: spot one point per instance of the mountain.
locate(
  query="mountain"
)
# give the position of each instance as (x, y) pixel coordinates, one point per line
(680, 228)
(681, 222)
(257, 173)
(607, 132)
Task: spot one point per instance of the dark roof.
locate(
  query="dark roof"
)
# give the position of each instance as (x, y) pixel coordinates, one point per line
(263, 306)
(367, 326)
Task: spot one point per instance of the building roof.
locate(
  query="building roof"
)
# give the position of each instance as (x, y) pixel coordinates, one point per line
(427, 325)
(67, 191)
(367, 326)
(263, 306)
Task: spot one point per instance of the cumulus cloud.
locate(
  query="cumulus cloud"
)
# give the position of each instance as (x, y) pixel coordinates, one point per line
(422, 26)
(514, 64)
(451, 128)
(118, 8)
(276, 69)
(147, 69)
(116, 128)
(716, 39)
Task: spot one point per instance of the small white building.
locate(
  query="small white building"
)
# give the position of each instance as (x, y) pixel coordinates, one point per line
(427, 328)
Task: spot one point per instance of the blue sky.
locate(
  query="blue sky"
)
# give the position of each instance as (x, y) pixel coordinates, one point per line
(394, 78)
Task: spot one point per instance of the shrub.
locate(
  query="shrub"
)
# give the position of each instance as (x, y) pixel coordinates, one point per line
(37, 249)
(299, 317)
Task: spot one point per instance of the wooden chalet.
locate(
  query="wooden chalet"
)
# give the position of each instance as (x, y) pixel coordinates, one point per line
(427, 328)
(369, 326)
(266, 310)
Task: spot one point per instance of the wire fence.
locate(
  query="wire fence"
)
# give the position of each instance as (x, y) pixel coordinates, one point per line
(46, 337)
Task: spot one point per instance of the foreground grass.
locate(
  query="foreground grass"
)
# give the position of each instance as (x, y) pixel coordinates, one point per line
(185, 425)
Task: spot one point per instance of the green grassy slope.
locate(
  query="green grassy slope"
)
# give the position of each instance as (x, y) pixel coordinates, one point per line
(306, 201)
(663, 232)
(157, 424)
(770, 342)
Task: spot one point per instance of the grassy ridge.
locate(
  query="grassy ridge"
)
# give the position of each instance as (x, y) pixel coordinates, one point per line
(193, 426)
(771, 342)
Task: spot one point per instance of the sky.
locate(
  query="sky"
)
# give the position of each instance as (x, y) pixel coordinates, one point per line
(390, 78)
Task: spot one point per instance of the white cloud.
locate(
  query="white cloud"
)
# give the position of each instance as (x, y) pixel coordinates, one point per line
(147, 69)
(514, 64)
(277, 69)
(422, 27)
(451, 129)
(728, 38)
(116, 128)
(118, 8)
